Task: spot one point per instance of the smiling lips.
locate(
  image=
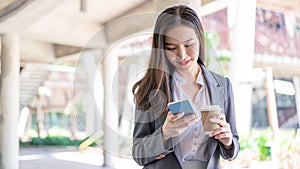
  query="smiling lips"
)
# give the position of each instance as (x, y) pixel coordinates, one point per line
(184, 63)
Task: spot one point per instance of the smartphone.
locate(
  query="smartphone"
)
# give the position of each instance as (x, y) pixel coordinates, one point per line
(181, 106)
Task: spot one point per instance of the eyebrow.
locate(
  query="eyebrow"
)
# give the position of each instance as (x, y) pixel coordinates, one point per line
(184, 41)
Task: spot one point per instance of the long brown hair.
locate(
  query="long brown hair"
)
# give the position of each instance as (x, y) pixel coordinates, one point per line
(153, 92)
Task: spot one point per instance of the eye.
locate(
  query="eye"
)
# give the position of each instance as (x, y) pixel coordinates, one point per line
(170, 48)
(188, 45)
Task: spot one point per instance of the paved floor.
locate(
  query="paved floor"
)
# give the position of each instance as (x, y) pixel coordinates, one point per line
(66, 158)
(71, 158)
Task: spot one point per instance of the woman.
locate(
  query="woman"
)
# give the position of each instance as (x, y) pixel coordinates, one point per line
(177, 71)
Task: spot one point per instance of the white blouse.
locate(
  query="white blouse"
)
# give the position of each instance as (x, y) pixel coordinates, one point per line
(192, 143)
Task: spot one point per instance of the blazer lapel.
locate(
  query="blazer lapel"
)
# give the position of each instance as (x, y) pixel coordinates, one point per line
(214, 87)
(216, 98)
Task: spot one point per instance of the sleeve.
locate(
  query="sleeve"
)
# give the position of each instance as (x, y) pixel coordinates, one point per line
(147, 141)
(230, 154)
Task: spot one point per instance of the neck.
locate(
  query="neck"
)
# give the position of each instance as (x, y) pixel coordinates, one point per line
(191, 75)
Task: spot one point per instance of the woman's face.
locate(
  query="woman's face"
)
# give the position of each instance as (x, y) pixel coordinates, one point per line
(182, 47)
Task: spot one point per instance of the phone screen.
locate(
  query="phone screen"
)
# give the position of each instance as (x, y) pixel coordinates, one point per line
(181, 106)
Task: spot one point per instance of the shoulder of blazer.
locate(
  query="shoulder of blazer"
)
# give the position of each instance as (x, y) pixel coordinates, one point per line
(213, 78)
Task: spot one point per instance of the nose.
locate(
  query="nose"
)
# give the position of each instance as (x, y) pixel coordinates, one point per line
(181, 52)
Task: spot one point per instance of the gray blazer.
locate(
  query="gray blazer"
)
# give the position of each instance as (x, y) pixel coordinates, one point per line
(147, 136)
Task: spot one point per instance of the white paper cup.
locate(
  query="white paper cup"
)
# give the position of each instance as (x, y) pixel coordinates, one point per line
(208, 112)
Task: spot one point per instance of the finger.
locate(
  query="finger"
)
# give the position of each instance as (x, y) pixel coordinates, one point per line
(174, 117)
(193, 117)
(221, 116)
(169, 115)
(220, 122)
(223, 123)
(177, 116)
(186, 122)
(182, 124)
(223, 135)
(221, 130)
(160, 157)
(190, 117)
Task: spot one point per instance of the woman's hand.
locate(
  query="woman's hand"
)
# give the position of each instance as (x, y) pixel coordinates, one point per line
(174, 125)
(223, 133)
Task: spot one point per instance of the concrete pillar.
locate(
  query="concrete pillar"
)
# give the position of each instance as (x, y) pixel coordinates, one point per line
(92, 95)
(24, 118)
(271, 102)
(90, 114)
(296, 81)
(160, 5)
(10, 70)
(40, 117)
(111, 116)
(241, 20)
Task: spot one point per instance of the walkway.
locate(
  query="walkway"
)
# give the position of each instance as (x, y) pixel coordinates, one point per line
(66, 158)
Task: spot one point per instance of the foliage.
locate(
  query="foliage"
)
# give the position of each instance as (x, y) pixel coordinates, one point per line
(51, 140)
(264, 147)
(57, 139)
(289, 149)
(212, 38)
(258, 141)
(259, 148)
(224, 58)
(215, 60)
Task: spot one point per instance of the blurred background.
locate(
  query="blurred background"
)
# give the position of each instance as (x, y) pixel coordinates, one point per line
(68, 66)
